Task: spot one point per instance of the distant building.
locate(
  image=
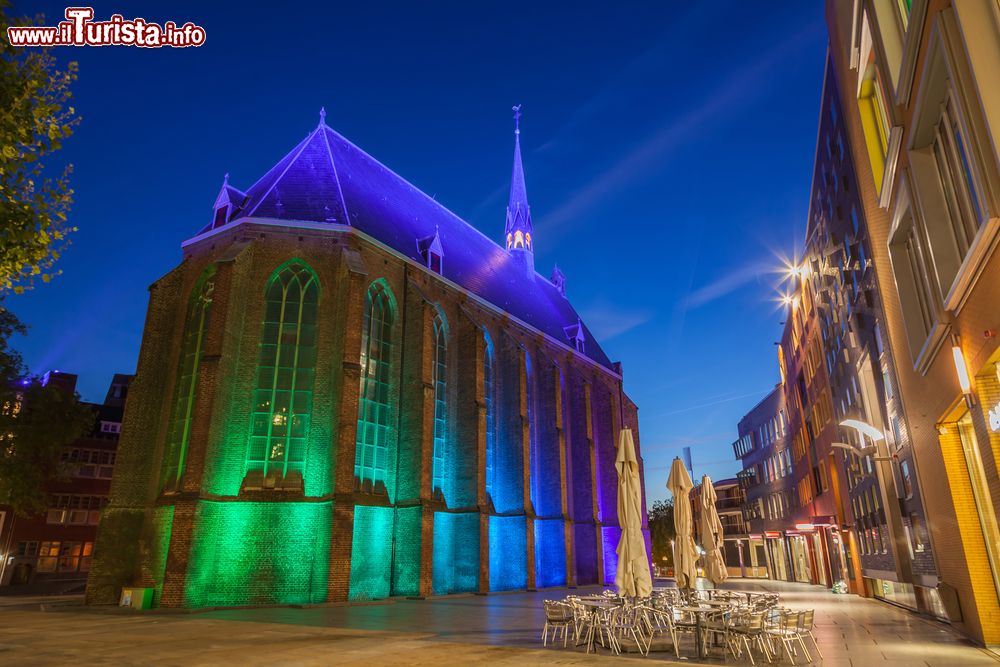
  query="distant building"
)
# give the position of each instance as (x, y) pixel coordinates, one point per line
(736, 551)
(764, 451)
(346, 392)
(52, 552)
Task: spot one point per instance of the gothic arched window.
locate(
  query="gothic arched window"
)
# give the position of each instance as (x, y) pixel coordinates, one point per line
(182, 410)
(372, 446)
(282, 398)
(440, 404)
(489, 402)
(529, 400)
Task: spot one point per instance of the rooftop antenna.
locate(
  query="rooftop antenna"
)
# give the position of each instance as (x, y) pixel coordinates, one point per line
(517, 118)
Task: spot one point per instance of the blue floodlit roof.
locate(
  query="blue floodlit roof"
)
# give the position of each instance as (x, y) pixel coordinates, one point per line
(326, 178)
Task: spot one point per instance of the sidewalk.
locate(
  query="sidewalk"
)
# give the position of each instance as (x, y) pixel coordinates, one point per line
(456, 630)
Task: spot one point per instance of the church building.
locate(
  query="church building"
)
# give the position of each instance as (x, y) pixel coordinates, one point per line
(346, 392)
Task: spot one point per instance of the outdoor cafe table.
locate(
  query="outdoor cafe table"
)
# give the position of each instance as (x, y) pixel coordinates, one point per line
(594, 606)
(699, 613)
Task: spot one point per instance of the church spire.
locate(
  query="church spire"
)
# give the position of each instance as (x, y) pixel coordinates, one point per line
(518, 232)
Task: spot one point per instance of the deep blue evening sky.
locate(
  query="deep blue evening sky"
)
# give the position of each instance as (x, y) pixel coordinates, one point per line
(668, 149)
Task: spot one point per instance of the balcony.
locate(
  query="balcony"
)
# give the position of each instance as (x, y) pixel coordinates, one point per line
(728, 504)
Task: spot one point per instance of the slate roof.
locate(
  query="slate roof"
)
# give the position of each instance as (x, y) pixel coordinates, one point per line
(326, 178)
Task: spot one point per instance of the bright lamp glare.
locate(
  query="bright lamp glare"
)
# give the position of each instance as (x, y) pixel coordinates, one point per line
(864, 427)
(961, 370)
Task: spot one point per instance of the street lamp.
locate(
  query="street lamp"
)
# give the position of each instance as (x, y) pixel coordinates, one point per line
(865, 428)
(870, 450)
(961, 370)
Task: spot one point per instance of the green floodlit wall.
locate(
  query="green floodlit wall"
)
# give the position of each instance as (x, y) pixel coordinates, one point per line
(456, 553)
(259, 553)
(376, 570)
(160, 524)
(371, 553)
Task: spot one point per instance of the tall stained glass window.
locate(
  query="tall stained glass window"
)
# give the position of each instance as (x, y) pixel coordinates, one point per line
(440, 405)
(371, 454)
(529, 399)
(489, 403)
(195, 327)
(282, 398)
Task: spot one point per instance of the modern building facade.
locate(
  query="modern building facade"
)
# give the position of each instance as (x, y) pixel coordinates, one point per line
(52, 552)
(922, 115)
(345, 392)
(816, 549)
(879, 506)
(763, 450)
(736, 552)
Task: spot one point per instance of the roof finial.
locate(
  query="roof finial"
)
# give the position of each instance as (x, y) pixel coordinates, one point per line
(322, 116)
(517, 118)
(225, 179)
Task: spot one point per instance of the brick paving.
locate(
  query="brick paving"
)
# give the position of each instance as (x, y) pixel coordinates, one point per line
(457, 630)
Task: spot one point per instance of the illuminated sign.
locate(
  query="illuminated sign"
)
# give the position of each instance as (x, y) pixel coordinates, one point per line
(772, 534)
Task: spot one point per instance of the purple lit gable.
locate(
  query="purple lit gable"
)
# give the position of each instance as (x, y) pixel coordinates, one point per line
(326, 178)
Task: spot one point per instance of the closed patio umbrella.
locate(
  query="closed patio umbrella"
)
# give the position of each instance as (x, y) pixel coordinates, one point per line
(711, 534)
(685, 552)
(632, 577)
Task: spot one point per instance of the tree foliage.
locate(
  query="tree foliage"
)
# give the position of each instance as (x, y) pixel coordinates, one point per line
(35, 118)
(36, 423)
(661, 530)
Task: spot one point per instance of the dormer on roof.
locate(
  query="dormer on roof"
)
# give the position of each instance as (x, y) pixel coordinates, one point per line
(432, 251)
(576, 337)
(229, 201)
(558, 279)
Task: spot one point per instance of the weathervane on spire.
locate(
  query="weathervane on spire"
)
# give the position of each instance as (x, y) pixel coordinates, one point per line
(322, 115)
(517, 118)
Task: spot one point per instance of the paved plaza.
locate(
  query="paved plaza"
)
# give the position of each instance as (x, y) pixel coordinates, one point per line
(456, 630)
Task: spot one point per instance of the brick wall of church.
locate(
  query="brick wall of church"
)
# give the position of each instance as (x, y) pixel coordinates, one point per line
(551, 519)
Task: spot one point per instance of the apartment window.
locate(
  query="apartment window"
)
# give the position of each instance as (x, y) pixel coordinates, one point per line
(903, 12)
(918, 533)
(909, 250)
(875, 119)
(957, 180)
(69, 556)
(48, 555)
(887, 383)
(946, 163)
(26, 549)
(904, 473)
